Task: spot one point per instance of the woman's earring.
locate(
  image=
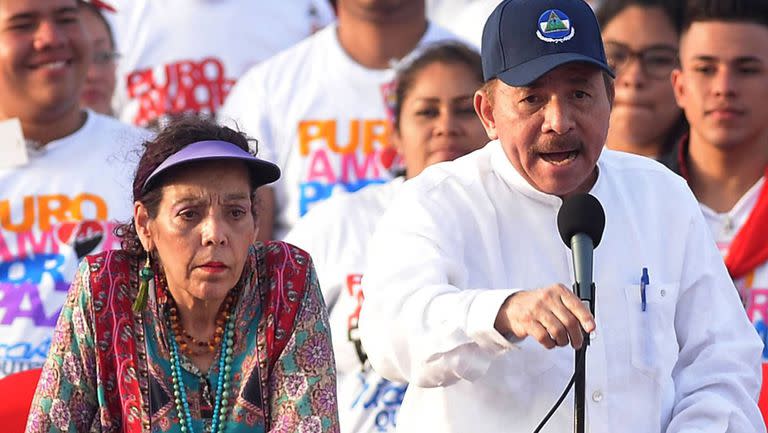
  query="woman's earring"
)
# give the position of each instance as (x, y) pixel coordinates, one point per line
(145, 274)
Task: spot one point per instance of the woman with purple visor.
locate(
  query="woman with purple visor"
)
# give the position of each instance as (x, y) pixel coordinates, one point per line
(192, 326)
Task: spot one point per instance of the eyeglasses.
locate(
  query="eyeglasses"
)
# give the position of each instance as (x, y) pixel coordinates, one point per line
(104, 57)
(656, 61)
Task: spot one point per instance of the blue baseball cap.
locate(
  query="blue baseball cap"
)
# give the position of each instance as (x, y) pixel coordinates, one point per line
(525, 39)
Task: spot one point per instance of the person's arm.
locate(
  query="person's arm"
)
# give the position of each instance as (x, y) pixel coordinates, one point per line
(422, 322)
(303, 383)
(717, 375)
(66, 396)
(319, 234)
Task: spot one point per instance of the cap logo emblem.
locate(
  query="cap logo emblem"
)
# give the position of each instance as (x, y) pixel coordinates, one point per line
(554, 26)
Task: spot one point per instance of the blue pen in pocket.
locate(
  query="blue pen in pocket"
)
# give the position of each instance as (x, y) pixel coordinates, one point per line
(644, 281)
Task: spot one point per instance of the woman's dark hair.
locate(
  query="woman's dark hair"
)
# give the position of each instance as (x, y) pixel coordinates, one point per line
(169, 140)
(747, 11)
(673, 9)
(84, 5)
(441, 52)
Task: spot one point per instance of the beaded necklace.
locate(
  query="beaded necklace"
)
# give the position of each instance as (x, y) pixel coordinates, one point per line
(221, 401)
(188, 344)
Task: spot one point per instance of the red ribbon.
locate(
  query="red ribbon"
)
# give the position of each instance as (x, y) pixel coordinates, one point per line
(749, 248)
(103, 5)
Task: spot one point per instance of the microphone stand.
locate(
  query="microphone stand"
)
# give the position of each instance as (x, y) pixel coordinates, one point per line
(581, 364)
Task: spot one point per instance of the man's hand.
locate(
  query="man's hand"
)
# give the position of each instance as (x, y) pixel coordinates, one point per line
(552, 315)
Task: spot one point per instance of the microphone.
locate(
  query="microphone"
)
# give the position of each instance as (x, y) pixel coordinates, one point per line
(581, 221)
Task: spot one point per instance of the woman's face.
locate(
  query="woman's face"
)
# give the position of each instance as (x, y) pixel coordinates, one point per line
(644, 109)
(437, 120)
(202, 230)
(101, 79)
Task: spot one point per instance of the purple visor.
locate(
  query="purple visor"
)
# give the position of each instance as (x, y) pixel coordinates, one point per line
(262, 172)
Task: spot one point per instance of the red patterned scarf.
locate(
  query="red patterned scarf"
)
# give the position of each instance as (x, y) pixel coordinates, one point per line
(120, 350)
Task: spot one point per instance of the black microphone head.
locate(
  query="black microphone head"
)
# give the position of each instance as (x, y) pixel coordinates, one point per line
(581, 213)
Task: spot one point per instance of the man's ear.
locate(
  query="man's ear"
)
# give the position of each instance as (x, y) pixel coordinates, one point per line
(611, 88)
(141, 221)
(678, 87)
(484, 110)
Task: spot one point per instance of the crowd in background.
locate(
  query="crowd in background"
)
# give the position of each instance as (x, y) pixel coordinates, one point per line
(350, 98)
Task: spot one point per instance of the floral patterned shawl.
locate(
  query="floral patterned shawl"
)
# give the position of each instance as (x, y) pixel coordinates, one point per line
(108, 369)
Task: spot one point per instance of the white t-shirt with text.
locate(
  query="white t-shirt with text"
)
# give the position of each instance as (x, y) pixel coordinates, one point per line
(322, 117)
(182, 56)
(368, 403)
(54, 210)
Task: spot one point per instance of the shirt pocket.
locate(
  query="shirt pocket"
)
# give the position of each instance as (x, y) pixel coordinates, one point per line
(652, 331)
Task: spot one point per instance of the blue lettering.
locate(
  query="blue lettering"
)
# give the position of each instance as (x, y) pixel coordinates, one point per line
(32, 269)
(311, 193)
(24, 351)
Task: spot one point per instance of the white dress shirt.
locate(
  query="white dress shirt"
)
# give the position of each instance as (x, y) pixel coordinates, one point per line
(464, 235)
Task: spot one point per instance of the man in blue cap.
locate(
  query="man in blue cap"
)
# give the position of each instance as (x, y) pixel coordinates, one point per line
(466, 296)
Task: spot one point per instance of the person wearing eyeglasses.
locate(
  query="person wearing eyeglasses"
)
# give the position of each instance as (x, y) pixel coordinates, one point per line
(101, 79)
(641, 41)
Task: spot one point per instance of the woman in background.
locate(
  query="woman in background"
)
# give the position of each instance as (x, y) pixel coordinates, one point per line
(101, 79)
(641, 42)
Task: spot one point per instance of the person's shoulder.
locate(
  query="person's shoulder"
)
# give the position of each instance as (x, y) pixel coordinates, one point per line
(108, 263)
(627, 164)
(292, 59)
(281, 255)
(437, 33)
(110, 126)
(462, 172)
(646, 177)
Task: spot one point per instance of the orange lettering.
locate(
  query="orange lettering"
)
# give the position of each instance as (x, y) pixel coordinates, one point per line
(29, 215)
(376, 131)
(45, 211)
(76, 208)
(354, 139)
(311, 130)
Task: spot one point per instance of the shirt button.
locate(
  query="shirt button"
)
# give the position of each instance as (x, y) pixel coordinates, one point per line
(593, 335)
(597, 396)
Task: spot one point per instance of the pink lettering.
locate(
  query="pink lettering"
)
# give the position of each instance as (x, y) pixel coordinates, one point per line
(5, 254)
(320, 168)
(367, 169)
(28, 245)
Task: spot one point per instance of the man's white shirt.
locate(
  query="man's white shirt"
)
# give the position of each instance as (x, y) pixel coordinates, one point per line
(464, 235)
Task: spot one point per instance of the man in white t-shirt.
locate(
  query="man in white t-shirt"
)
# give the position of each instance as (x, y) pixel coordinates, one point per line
(182, 56)
(721, 86)
(465, 295)
(59, 205)
(320, 109)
